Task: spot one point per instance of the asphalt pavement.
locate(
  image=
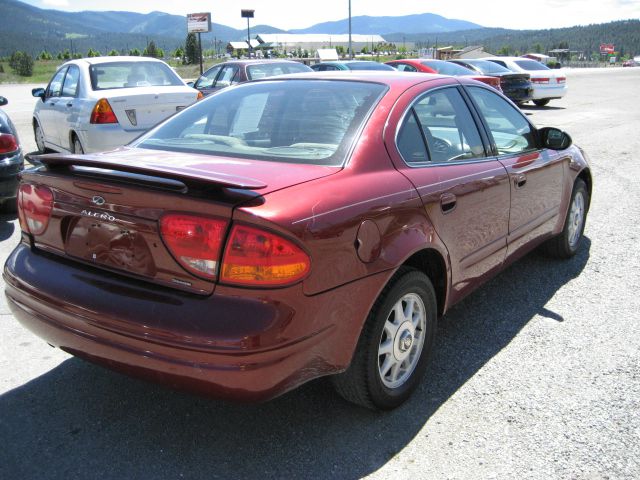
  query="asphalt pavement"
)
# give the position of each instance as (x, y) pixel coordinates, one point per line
(536, 375)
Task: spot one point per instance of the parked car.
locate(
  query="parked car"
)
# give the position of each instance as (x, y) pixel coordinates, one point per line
(11, 160)
(233, 72)
(100, 103)
(443, 68)
(349, 65)
(516, 86)
(631, 63)
(547, 84)
(291, 228)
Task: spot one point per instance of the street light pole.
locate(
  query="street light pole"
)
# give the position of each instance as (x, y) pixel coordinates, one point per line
(248, 14)
(350, 48)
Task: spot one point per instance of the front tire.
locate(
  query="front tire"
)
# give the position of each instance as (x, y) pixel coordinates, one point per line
(568, 242)
(394, 346)
(77, 146)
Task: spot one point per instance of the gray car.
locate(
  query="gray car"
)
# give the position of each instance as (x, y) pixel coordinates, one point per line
(11, 160)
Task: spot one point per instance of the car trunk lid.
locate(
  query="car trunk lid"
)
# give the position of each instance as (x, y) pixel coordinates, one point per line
(143, 107)
(108, 208)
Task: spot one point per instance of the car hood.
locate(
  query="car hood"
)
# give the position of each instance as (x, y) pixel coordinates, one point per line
(225, 172)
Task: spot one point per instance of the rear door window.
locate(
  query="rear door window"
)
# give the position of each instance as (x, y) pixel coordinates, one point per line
(55, 86)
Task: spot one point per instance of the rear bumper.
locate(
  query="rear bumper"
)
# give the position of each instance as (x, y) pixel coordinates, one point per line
(101, 138)
(10, 168)
(247, 348)
(540, 92)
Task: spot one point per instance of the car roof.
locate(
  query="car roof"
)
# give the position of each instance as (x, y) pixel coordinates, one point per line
(254, 61)
(117, 58)
(391, 77)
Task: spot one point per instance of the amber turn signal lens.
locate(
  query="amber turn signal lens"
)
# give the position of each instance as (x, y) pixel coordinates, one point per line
(103, 113)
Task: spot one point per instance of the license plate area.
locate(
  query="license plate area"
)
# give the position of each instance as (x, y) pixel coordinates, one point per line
(120, 247)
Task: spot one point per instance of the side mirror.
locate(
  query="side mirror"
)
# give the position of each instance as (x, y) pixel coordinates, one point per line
(3, 101)
(554, 138)
(38, 92)
(191, 84)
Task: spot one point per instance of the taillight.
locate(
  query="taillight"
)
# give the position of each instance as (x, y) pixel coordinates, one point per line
(195, 242)
(8, 143)
(35, 203)
(255, 257)
(540, 80)
(561, 79)
(103, 113)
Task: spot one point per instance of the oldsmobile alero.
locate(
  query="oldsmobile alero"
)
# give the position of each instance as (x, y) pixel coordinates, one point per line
(292, 228)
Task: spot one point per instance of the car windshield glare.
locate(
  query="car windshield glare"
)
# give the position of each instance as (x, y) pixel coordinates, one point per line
(272, 69)
(531, 65)
(132, 74)
(295, 121)
(448, 68)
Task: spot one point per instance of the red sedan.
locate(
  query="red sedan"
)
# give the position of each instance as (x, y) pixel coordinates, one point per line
(443, 68)
(291, 228)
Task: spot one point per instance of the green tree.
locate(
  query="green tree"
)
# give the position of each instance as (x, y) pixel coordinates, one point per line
(66, 55)
(114, 53)
(191, 56)
(151, 50)
(178, 52)
(92, 53)
(135, 52)
(21, 63)
(44, 55)
(537, 48)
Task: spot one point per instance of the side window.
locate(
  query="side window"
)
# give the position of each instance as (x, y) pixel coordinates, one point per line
(411, 142)
(229, 76)
(206, 80)
(511, 132)
(55, 86)
(403, 67)
(448, 127)
(70, 86)
(500, 62)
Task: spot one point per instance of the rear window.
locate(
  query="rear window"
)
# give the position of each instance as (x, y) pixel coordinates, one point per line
(295, 121)
(489, 67)
(530, 65)
(272, 69)
(368, 66)
(448, 68)
(132, 74)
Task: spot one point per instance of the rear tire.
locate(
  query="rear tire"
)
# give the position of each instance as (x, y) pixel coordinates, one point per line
(77, 146)
(394, 346)
(542, 102)
(567, 243)
(39, 136)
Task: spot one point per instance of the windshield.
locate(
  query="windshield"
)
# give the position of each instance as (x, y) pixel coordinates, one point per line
(295, 121)
(272, 69)
(488, 67)
(530, 65)
(132, 74)
(448, 68)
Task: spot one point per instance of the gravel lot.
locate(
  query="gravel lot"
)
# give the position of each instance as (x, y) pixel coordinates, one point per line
(536, 375)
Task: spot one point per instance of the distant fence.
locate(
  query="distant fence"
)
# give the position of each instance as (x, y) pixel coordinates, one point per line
(585, 64)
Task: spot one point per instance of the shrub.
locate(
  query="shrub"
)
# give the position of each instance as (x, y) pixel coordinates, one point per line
(21, 63)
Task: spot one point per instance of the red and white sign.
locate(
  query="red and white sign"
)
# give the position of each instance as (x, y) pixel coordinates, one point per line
(606, 48)
(198, 22)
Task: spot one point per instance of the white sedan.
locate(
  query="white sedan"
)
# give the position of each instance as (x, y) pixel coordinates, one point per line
(548, 84)
(98, 104)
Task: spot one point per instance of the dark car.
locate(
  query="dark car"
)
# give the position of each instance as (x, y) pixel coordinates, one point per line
(516, 86)
(349, 65)
(442, 68)
(238, 71)
(11, 160)
(291, 228)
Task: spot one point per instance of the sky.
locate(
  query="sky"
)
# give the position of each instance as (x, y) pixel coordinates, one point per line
(289, 14)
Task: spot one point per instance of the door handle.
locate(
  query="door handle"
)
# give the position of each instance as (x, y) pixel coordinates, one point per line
(70, 104)
(448, 202)
(519, 180)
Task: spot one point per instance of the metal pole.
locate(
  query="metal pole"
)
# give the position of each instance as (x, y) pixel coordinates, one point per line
(248, 37)
(350, 48)
(200, 51)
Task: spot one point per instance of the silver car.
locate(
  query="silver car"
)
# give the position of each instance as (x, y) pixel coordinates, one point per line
(97, 104)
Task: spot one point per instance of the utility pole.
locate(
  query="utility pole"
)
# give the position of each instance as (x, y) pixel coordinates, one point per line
(350, 47)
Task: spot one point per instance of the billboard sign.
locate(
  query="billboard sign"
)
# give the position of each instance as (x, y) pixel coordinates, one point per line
(198, 22)
(606, 48)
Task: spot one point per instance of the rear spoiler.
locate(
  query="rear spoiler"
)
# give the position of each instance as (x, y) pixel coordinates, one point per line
(186, 172)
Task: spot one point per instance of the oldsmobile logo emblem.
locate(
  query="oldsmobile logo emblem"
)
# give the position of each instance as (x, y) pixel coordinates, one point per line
(97, 200)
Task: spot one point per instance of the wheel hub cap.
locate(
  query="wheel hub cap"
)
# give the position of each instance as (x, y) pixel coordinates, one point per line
(406, 341)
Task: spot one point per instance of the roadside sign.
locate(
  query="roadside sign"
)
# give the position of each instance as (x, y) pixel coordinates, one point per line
(198, 22)
(606, 48)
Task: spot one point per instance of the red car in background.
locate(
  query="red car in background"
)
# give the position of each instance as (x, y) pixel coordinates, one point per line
(443, 68)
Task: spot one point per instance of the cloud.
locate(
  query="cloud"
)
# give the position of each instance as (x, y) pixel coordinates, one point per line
(56, 3)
